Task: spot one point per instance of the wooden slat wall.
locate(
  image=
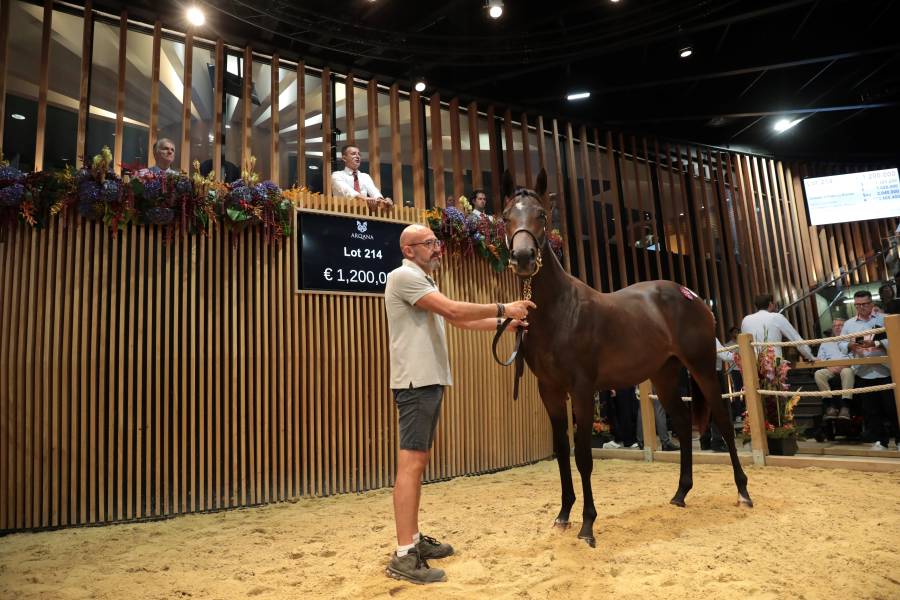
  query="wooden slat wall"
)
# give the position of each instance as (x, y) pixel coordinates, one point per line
(271, 394)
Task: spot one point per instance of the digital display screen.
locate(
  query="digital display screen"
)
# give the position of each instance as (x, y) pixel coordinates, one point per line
(853, 197)
(338, 253)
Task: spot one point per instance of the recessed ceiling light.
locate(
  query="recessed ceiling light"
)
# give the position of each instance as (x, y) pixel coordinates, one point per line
(782, 125)
(313, 168)
(419, 86)
(578, 96)
(495, 8)
(18, 117)
(195, 16)
(685, 51)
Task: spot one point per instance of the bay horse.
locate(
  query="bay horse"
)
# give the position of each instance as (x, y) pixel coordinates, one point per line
(581, 340)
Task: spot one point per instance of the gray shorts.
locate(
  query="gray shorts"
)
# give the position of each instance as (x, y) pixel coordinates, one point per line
(418, 410)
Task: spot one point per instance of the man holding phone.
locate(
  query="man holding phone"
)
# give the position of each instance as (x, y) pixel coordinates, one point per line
(879, 409)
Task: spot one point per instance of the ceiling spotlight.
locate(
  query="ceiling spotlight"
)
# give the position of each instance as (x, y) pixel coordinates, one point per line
(782, 125)
(18, 117)
(195, 16)
(578, 96)
(495, 8)
(685, 51)
(419, 84)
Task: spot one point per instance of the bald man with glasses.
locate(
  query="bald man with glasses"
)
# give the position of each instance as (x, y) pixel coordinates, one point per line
(420, 369)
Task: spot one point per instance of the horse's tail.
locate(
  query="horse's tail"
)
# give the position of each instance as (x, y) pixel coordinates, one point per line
(699, 406)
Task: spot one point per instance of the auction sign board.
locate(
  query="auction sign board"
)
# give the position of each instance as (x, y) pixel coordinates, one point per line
(345, 253)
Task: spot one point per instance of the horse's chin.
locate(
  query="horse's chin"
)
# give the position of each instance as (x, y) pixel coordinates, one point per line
(525, 272)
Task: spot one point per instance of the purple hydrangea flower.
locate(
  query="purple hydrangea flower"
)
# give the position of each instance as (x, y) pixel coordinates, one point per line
(10, 175)
(152, 188)
(454, 215)
(270, 188)
(90, 209)
(111, 191)
(88, 191)
(183, 185)
(11, 195)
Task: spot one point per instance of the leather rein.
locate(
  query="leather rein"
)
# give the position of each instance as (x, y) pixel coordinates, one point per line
(518, 355)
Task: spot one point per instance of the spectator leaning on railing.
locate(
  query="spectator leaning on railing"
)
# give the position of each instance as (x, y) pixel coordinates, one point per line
(880, 411)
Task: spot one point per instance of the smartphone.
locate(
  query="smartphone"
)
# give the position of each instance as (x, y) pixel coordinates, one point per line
(858, 340)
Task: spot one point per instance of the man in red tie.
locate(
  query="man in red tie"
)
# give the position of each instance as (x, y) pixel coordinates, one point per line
(353, 183)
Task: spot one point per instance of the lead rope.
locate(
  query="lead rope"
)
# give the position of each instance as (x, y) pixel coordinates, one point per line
(521, 333)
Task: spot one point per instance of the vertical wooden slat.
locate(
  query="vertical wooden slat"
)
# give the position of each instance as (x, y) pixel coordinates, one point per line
(495, 159)
(526, 153)
(578, 234)
(396, 157)
(418, 137)
(130, 429)
(667, 214)
(677, 213)
(26, 364)
(640, 202)
(774, 226)
(87, 36)
(627, 222)
(590, 213)
(654, 225)
(765, 239)
(275, 159)
(120, 92)
(43, 84)
(561, 198)
(374, 133)
(702, 224)
(154, 90)
(604, 225)
(475, 145)
(246, 108)
(301, 125)
(218, 95)
(748, 211)
(327, 116)
(510, 157)
(734, 305)
(456, 150)
(617, 212)
(349, 108)
(4, 53)
(708, 223)
(437, 151)
(186, 102)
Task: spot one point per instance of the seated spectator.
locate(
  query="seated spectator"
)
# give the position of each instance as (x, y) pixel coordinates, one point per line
(835, 408)
(889, 302)
(880, 410)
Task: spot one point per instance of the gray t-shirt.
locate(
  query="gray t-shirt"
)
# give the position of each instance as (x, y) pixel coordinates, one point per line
(419, 355)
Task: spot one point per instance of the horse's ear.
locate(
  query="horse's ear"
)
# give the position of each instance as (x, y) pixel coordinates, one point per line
(540, 186)
(508, 186)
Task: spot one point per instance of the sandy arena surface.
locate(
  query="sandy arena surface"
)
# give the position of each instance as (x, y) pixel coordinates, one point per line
(814, 533)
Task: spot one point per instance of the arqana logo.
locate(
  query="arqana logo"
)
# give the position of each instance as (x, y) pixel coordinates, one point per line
(361, 226)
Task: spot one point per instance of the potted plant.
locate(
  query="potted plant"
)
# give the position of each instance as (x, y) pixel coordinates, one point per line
(778, 411)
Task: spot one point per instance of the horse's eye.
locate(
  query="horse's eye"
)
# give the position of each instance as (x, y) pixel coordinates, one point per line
(542, 216)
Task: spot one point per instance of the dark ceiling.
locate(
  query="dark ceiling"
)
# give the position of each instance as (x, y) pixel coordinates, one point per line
(833, 63)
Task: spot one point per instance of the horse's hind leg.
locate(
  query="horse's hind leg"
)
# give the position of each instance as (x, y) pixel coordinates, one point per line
(709, 385)
(555, 403)
(583, 407)
(666, 383)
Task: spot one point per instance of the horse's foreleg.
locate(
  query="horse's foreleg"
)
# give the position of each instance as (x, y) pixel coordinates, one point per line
(555, 404)
(583, 406)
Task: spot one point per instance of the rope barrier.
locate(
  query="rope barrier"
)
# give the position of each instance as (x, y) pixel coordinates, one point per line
(861, 390)
(836, 338)
(688, 398)
(731, 348)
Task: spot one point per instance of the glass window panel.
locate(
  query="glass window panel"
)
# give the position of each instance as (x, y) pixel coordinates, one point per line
(466, 146)
(518, 153)
(287, 127)
(261, 119)
(486, 137)
(534, 157)
(312, 132)
(203, 106)
(171, 95)
(447, 146)
(22, 72)
(63, 91)
(101, 128)
(135, 147)
(361, 122)
(340, 120)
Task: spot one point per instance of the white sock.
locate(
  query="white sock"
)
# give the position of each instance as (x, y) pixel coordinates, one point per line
(417, 537)
(404, 550)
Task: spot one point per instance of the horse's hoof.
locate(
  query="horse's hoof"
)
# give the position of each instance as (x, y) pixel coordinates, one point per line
(563, 525)
(677, 502)
(744, 501)
(589, 540)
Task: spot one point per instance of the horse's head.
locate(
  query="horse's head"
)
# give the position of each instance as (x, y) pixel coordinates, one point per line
(526, 214)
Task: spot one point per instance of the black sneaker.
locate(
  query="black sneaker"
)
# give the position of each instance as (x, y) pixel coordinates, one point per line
(429, 547)
(414, 568)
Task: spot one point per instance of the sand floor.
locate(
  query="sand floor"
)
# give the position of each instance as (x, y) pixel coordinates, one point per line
(813, 534)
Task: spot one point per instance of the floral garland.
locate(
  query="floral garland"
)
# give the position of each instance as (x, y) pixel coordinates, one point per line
(772, 372)
(466, 233)
(179, 202)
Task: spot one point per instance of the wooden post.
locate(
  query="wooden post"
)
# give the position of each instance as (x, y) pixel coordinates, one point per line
(892, 326)
(648, 420)
(758, 441)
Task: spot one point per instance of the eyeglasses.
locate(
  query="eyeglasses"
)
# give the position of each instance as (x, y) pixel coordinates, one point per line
(430, 244)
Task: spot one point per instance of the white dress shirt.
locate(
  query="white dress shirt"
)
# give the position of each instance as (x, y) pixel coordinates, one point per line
(767, 326)
(830, 351)
(342, 185)
(722, 356)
